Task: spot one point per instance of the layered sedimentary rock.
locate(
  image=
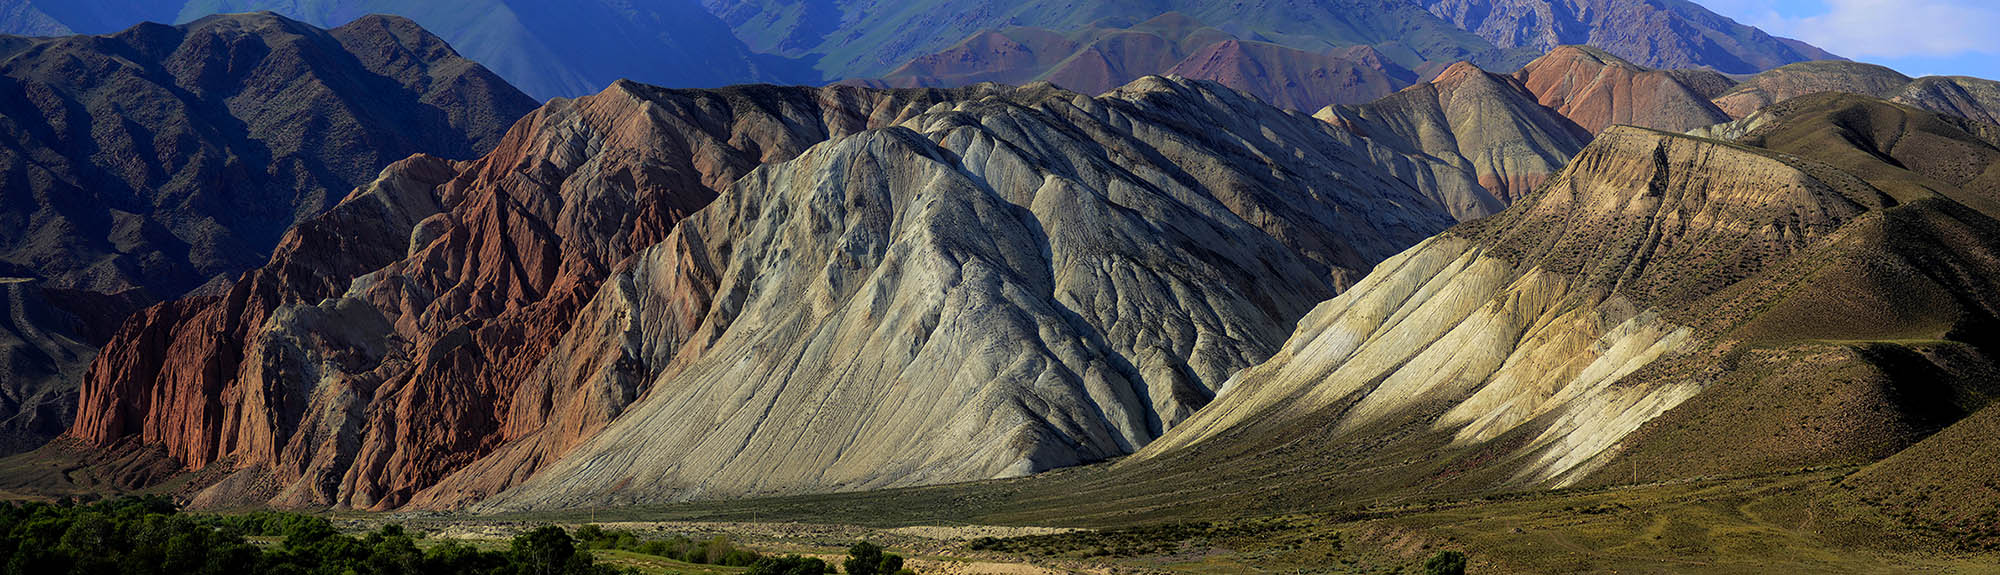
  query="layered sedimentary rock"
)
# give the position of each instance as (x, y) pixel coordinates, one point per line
(447, 281)
(1669, 308)
(983, 293)
(1080, 272)
(161, 157)
(1667, 34)
(1597, 90)
(1486, 127)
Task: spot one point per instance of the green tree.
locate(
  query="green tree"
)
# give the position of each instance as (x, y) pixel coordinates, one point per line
(864, 558)
(545, 551)
(1445, 563)
(789, 565)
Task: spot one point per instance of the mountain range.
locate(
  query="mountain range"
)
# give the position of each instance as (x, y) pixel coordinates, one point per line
(1302, 55)
(1355, 251)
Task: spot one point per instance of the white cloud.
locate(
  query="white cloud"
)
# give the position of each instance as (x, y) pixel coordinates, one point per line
(1883, 28)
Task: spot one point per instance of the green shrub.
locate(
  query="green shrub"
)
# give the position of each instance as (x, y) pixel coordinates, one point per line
(1445, 563)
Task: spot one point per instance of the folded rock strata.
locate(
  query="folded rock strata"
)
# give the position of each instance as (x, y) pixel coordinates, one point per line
(915, 286)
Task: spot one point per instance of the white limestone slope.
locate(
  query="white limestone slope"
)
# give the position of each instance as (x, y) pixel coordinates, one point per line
(1534, 319)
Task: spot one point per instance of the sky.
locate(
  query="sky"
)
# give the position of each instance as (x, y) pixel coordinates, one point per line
(1916, 37)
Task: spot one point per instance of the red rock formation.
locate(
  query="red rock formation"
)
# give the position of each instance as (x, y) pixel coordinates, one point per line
(381, 346)
(1597, 90)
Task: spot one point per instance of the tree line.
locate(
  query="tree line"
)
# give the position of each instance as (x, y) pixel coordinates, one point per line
(151, 536)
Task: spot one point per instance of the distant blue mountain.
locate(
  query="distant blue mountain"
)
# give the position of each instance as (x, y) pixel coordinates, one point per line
(547, 48)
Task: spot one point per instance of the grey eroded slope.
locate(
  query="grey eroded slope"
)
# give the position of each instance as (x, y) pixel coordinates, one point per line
(990, 289)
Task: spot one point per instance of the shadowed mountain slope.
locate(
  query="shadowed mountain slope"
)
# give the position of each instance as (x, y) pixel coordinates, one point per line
(1103, 56)
(561, 49)
(870, 39)
(161, 157)
(145, 163)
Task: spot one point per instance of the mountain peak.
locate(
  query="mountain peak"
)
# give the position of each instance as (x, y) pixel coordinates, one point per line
(1596, 89)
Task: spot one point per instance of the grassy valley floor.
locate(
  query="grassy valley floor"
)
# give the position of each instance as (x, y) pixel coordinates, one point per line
(1800, 522)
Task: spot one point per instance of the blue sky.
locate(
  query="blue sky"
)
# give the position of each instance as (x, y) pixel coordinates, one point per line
(1916, 37)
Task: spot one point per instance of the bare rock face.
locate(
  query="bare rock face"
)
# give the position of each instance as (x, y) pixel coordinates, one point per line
(994, 280)
(1486, 127)
(1665, 34)
(990, 289)
(1597, 90)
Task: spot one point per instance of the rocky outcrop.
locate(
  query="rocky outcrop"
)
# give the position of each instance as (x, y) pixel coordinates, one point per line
(1597, 90)
(1082, 270)
(1486, 128)
(1669, 34)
